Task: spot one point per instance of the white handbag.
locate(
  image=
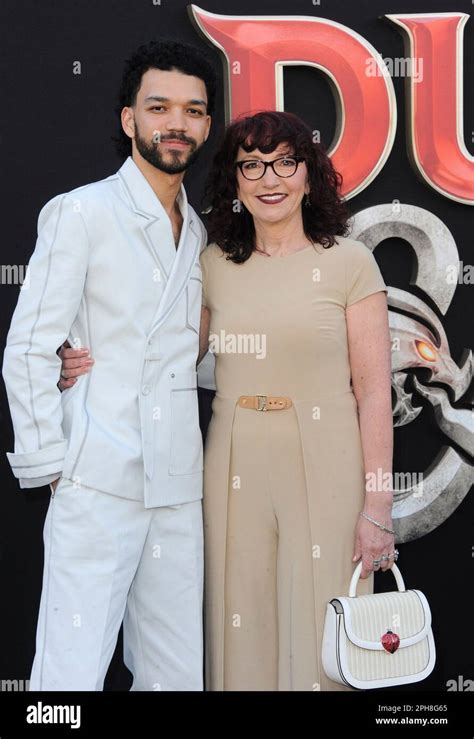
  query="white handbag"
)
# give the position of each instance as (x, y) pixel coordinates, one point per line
(378, 640)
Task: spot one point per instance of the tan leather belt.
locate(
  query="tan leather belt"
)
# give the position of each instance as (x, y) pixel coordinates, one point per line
(264, 402)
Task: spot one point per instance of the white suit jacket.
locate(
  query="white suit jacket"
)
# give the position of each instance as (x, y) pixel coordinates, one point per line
(106, 274)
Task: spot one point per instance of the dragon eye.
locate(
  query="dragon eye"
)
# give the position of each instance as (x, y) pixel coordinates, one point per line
(426, 351)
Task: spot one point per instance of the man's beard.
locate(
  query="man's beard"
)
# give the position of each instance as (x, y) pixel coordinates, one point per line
(151, 153)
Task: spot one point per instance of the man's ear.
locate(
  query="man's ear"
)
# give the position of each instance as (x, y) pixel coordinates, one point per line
(128, 121)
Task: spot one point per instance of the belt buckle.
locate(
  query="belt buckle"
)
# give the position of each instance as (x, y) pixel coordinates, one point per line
(262, 403)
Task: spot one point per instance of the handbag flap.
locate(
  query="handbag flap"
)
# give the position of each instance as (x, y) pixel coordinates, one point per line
(368, 617)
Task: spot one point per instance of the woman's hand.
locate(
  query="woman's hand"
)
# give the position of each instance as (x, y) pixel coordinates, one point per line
(74, 362)
(372, 543)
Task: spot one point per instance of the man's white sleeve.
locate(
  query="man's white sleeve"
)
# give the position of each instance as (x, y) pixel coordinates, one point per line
(47, 306)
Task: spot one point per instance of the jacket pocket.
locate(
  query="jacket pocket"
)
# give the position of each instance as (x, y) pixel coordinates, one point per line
(186, 454)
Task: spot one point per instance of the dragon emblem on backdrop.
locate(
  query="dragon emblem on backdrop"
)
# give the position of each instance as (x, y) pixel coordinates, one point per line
(419, 341)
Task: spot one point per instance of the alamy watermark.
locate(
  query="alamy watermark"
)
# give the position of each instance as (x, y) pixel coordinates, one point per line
(396, 67)
(14, 274)
(226, 343)
(386, 482)
(14, 686)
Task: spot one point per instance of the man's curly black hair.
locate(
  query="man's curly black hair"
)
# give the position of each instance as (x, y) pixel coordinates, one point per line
(164, 55)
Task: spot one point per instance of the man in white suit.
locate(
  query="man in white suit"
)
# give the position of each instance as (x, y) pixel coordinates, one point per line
(116, 268)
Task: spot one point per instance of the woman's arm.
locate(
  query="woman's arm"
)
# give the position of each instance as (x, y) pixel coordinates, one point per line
(370, 361)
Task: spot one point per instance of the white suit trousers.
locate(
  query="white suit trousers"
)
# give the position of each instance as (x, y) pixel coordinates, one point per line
(109, 559)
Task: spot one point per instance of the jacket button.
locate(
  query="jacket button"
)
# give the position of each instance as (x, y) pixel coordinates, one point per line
(146, 389)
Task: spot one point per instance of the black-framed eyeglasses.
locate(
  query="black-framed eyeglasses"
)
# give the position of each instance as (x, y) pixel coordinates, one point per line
(254, 169)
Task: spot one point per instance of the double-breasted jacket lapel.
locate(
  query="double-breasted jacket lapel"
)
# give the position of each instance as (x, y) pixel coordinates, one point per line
(174, 265)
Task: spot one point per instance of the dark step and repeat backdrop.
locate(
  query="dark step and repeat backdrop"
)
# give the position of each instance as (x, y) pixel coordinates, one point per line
(405, 150)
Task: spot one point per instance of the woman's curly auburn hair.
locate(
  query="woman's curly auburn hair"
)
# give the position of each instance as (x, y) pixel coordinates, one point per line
(233, 229)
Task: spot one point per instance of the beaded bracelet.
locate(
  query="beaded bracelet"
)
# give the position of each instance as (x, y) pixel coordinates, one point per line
(380, 525)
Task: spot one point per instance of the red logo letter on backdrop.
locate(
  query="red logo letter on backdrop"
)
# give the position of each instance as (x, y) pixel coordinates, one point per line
(257, 48)
(435, 135)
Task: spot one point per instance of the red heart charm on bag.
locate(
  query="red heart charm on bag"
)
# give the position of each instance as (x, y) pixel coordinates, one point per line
(390, 641)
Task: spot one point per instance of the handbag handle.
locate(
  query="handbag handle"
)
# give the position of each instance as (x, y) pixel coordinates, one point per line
(355, 579)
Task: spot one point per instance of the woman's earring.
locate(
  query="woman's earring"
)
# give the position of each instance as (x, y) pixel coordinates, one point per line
(307, 201)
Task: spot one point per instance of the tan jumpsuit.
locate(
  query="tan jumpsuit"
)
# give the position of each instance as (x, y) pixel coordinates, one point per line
(282, 488)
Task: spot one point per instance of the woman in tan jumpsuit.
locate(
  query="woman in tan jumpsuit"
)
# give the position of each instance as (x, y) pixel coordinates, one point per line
(283, 488)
